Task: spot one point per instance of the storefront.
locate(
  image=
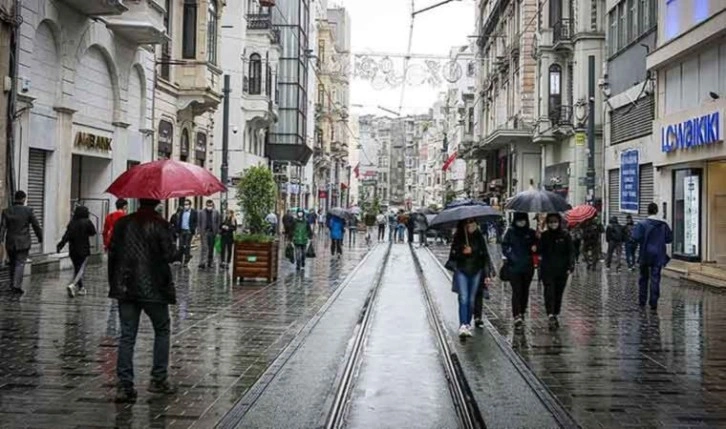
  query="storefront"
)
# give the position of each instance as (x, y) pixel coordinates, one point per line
(691, 178)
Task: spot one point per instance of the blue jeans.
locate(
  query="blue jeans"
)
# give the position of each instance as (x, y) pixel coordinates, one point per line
(129, 314)
(400, 229)
(467, 286)
(649, 276)
(630, 248)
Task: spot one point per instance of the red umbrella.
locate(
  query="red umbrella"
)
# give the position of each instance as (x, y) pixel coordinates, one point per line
(580, 214)
(161, 180)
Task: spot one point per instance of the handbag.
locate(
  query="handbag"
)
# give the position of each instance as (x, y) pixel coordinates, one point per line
(505, 273)
(310, 252)
(290, 252)
(450, 265)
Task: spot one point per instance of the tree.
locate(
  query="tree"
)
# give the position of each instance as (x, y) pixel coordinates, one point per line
(256, 195)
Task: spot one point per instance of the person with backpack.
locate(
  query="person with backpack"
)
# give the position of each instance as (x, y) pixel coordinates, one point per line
(302, 232)
(614, 236)
(652, 235)
(77, 235)
(630, 245)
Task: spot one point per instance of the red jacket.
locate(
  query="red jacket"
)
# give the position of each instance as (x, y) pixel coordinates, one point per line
(108, 225)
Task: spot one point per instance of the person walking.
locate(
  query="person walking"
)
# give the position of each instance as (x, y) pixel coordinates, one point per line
(228, 228)
(392, 226)
(209, 225)
(518, 247)
(122, 207)
(591, 236)
(321, 222)
(15, 226)
(470, 258)
(402, 222)
(174, 225)
(271, 219)
(352, 224)
(187, 227)
(140, 279)
(337, 231)
(381, 222)
(77, 236)
(288, 222)
(652, 235)
(614, 237)
(576, 234)
(630, 245)
(301, 236)
(556, 263)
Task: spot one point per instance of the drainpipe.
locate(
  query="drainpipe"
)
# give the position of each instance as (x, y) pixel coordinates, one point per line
(12, 102)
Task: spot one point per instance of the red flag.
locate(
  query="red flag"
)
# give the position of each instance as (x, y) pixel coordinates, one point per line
(356, 170)
(449, 161)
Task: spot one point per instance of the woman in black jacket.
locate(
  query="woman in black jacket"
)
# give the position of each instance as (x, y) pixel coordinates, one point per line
(518, 247)
(558, 260)
(77, 235)
(470, 257)
(229, 227)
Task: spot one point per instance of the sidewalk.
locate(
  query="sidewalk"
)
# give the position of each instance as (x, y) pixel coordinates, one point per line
(58, 354)
(613, 365)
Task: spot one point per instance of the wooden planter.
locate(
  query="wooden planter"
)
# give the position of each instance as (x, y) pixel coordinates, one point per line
(256, 260)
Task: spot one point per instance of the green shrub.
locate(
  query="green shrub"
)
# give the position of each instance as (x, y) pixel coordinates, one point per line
(256, 195)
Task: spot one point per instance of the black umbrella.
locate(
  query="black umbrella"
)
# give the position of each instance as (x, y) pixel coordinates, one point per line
(338, 212)
(451, 216)
(426, 211)
(538, 201)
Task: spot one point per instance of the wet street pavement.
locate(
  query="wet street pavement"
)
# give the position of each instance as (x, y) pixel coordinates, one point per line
(612, 365)
(59, 355)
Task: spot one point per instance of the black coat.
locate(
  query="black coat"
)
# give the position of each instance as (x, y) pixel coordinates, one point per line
(478, 259)
(517, 248)
(138, 259)
(16, 223)
(557, 253)
(193, 221)
(78, 233)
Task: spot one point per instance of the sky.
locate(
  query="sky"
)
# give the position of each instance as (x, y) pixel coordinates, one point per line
(383, 26)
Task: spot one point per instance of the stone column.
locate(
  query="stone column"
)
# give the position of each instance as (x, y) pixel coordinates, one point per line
(59, 176)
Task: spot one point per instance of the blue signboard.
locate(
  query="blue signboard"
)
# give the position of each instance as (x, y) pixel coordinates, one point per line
(629, 181)
(691, 133)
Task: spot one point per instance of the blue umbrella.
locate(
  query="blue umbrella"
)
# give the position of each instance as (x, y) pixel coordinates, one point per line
(452, 215)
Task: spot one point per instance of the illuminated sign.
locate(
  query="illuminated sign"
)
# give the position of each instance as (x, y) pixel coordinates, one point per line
(700, 131)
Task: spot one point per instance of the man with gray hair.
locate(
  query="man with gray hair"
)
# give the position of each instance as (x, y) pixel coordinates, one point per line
(15, 229)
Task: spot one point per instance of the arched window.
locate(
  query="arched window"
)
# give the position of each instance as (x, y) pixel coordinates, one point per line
(255, 74)
(184, 149)
(212, 31)
(555, 91)
(268, 80)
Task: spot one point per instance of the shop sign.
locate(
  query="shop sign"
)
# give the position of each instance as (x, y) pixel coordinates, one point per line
(166, 137)
(580, 138)
(200, 146)
(691, 215)
(323, 195)
(93, 142)
(629, 181)
(691, 133)
(369, 182)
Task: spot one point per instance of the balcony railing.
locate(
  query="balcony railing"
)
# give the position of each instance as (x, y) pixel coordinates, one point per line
(561, 115)
(259, 21)
(562, 30)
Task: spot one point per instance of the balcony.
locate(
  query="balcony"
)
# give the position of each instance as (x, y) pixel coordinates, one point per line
(199, 86)
(261, 25)
(561, 116)
(97, 8)
(143, 23)
(562, 33)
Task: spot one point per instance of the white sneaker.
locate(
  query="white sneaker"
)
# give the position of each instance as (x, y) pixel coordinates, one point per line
(71, 290)
(464, 331)
(81, 291)
(469, 333)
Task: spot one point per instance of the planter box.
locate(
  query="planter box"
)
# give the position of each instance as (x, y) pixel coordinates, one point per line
(256, 260)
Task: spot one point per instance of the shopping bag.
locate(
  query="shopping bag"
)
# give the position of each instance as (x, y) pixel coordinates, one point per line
(218, 244)
(290, 252)
(505, 272)
(310, 253)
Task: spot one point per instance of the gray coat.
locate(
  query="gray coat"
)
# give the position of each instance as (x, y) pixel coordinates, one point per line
(16, 223)
(209, 217)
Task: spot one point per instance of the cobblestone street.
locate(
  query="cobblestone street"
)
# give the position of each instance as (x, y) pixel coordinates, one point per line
(613, 365)
(59, 354)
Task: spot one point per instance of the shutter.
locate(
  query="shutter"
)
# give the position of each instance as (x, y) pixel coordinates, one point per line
(646, 189)
(36, 192)
(614, 197)
(632, 120)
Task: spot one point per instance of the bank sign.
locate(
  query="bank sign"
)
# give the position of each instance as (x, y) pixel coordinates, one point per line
(692, 133)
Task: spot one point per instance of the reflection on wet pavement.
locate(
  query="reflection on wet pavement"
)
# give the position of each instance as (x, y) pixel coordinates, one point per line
(613, 365)
(59, 355)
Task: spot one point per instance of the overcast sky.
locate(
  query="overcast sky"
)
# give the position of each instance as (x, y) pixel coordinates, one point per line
(383, 25)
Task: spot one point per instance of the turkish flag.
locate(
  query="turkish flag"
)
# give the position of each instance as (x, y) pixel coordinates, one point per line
(449, 161)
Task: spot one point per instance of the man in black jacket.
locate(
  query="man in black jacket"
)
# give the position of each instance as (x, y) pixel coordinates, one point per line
(140, 279)
(16, 223)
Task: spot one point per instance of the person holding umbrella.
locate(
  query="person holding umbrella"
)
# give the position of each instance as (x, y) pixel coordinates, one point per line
(470, 259)
(555, 247)
(336, 225)
(518, 247)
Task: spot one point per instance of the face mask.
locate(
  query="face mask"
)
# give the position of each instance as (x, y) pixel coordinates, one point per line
(520, 223)
(553, 225)
(209, 209)
(471, 227)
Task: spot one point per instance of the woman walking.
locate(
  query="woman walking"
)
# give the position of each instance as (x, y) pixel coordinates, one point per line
(558, 261)
(77, 235)
(518, 247)
(471, 260)
(229, 227)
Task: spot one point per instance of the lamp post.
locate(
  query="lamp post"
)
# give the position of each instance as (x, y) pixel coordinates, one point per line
(225, 141)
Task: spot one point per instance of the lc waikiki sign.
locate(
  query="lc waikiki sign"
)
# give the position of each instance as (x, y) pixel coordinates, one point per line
(691, 133)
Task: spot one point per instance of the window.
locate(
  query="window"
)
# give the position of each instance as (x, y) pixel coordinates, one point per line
(632, 20)
(321, 52)
(212, 31)
(189, 28)
(687, 214)
(555, 12)
(555, 90)
(622, 26)
(643, 15)
(470, 69)
(166, 47)
(255, 74)
(321, 95)
(613, 33)
(268, 81)
(470, 124)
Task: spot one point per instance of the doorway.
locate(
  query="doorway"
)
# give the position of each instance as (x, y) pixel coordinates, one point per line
(717, 211)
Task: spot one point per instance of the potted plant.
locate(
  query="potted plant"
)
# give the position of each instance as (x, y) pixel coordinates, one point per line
(256, 251)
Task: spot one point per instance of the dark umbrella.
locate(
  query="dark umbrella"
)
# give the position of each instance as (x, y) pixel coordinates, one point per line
(451, 216)
(338, 212)
(426, 211)
(538, 201)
